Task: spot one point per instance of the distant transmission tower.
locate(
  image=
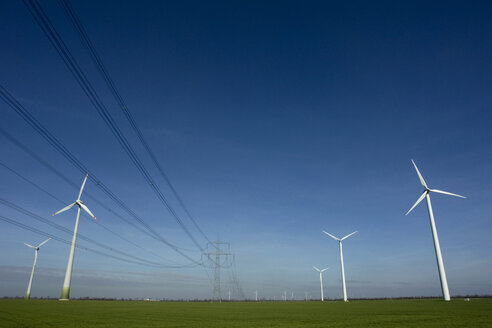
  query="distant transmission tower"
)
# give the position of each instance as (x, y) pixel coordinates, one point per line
(222, 259)
(238, 291)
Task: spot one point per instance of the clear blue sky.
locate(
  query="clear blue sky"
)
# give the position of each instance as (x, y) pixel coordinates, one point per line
(274, 121)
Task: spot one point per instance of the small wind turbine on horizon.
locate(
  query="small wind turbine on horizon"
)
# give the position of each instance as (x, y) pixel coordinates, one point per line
(36, 249)
(437, 248)
(344, 288)
(68, 274)
(320, 281)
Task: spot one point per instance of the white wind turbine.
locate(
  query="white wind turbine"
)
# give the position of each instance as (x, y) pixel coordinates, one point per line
(36, 249)
(68, 275)
(437, 248)
(344, 288)
(320, 280)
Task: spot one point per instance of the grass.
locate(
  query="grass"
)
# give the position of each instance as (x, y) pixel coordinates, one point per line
(387, 313)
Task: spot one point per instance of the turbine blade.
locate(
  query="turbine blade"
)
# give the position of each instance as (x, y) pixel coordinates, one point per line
(29, 245)
(348, 235)
(446, 193)
(64, 209)
(331, 236)
(82, 188)
(87, 210)
(324, 269)
(417, 202)
(44, 242)
(315, 268)
(422, 181)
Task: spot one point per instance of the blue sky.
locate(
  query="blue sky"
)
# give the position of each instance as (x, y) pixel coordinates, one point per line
(274, 122)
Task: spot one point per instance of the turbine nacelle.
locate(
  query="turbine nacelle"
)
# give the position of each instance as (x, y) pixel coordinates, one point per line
(36, 248)
(320, 270)
(77, 202)
(427, 190)
(340, 239)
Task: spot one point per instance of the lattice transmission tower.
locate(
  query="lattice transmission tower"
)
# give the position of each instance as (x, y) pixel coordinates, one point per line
(221, 258)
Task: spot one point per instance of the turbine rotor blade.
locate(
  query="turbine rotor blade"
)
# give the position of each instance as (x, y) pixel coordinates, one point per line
(324, 269)
(29, 245)
(331, 236)
(315, 268)
(64, 209)
(348, 235)
(446, 193)
(82, 188)
(44, 242)
(417, 202)
(85, 208)
(422, 181)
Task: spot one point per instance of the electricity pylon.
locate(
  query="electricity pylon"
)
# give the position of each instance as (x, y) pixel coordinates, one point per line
(221, 259)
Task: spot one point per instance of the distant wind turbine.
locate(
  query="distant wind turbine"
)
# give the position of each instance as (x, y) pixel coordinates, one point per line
(36, 249)
(320, 281)
(437, 248)
(68, 274)
(344, 288)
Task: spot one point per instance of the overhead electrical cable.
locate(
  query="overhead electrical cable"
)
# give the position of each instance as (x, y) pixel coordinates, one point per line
(70, 12)
(40, 232)
(81, 236)
(55, 39)
(31, 120)
(71, 183)
(97, 222)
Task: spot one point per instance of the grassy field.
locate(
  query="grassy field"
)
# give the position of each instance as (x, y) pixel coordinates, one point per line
(398, 313)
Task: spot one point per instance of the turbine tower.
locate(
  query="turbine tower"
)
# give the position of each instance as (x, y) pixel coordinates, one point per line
(320, 281)
(437, 248)
(36, 249)
(344, 288)
(65, 295)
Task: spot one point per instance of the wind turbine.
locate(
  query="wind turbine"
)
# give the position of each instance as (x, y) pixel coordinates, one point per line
(437, 248)
(320, 281)
(68, 274)
(36, 249)
(344, 288)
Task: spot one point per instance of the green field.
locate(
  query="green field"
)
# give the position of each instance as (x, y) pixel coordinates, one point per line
(389, 313)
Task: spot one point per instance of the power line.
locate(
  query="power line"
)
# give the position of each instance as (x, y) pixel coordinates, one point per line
(50, 32)
(71, 183)
(25, 227)
(83, 213)
(81, 236)
(53, 141)
(79, 27)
